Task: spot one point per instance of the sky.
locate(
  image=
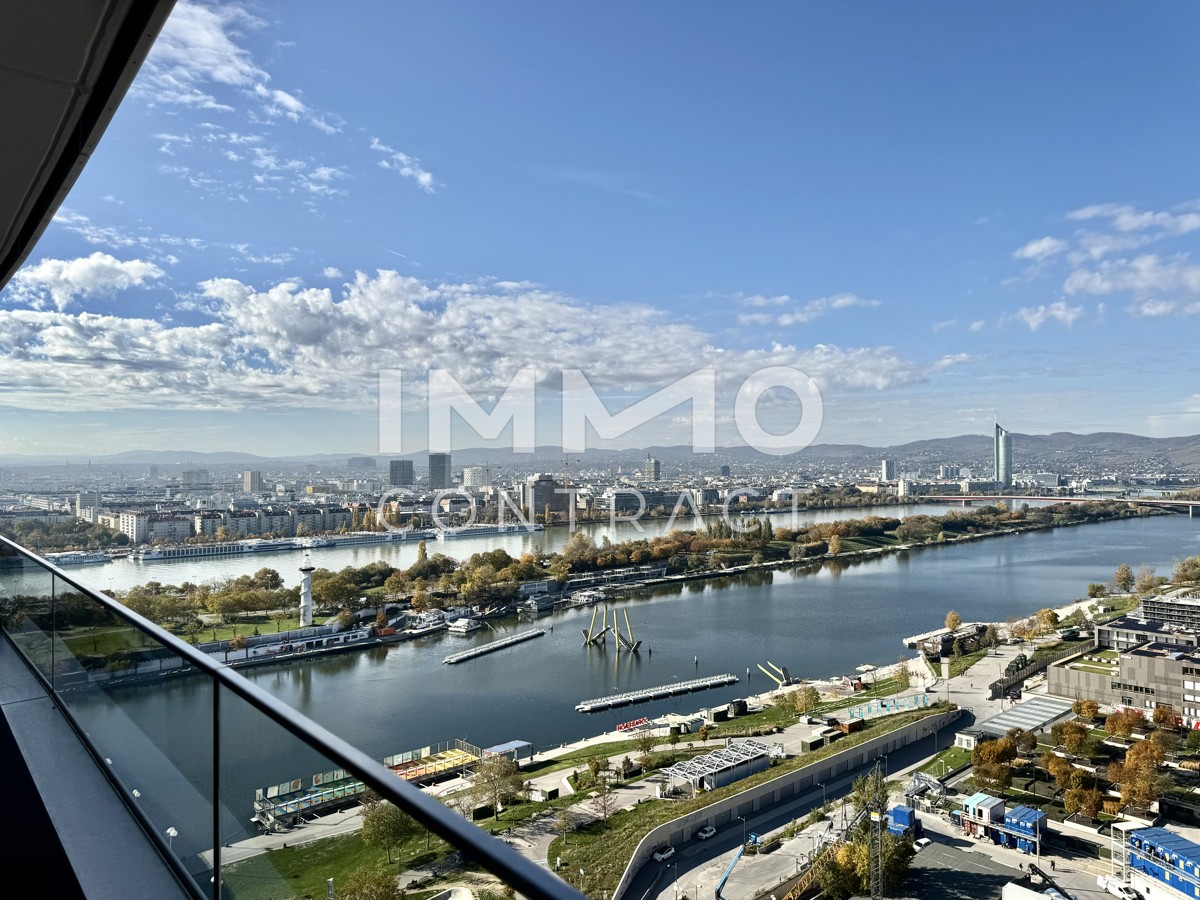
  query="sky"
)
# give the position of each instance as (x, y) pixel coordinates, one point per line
(943, 214)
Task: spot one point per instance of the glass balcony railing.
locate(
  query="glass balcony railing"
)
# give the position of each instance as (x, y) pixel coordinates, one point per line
(203, 765)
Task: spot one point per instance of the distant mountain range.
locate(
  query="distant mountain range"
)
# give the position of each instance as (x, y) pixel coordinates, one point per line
(1060, 451)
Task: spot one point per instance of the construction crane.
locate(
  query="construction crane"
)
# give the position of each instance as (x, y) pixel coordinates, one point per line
(729, 871)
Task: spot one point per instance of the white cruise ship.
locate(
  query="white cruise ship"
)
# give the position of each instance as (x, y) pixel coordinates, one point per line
(78, 557)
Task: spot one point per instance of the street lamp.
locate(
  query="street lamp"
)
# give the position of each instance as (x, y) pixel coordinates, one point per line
(743, 830)
(675, 879)
(171, 835)
(822, 785)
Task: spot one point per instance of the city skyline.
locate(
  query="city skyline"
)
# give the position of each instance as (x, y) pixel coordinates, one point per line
(267, 224)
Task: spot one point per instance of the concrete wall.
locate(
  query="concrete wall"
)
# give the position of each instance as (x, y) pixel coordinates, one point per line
(786, 786)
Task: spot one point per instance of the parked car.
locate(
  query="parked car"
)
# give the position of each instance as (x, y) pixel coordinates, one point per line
(663, 853)
(705, 833)
(1117, 887)
(920, 844)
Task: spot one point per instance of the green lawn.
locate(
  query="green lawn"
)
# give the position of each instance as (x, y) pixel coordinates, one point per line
(300, 872)
(946, 761)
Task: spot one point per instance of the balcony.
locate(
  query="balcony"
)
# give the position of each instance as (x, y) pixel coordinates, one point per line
(120, 797)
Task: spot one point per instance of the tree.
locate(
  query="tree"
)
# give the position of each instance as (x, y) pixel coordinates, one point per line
(1187, 570)
(1086, 709)
(1120, 723)
(990, 760)
(1095, 589)
(238, 642)
(1164, 716)
(807, 699)
(385, 826)
(1168, 740)
(644, 740)
(1083, 800)
(596, 765)
(334, 591)
(345, 620)
(1026, 742)
(953, 621)
(496, 779)
(564, 823)
(267, 579)
(1047, 619)
(1139, 784)
(1147, 579)
(603, 800)
(1123, 578)
(1071, 735)
(369, 884)
(848, 872)
(835, 544)
(990, 636)
(903, 676)
(1193, 740)
(1057, 768)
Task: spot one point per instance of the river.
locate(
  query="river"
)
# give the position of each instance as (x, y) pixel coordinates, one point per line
(818, 624)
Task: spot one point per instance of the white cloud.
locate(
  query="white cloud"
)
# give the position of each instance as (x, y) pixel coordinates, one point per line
(814, 309)
(64, 280)
(1096, 245)
(1042, 248)
(1155, 308)
(331, 272)
(1124, 217)
(297, 346)
(977, 325)
(755, 319)
(1037, 316)
(758, 300)
(117, 239)
(405, 165)
(198, 46)
(944, 325)
(1144, 275)
(281, 103)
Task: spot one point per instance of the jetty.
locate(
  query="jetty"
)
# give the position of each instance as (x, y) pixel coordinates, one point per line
(656, 693)
(492, 646)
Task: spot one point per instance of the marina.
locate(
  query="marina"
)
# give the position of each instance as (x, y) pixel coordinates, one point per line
(493, 646)
(656, 693)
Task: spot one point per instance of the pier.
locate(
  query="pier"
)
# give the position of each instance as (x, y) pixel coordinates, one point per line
(491, 647)
(656, 693)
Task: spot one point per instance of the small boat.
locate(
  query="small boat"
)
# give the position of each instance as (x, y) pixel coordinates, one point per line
(465, 626)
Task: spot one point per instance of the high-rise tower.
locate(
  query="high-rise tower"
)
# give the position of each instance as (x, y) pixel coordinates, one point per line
(439, 471)
(1002, 457)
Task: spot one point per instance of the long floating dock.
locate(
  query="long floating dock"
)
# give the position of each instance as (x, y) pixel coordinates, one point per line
(655, 693)
(464, 655)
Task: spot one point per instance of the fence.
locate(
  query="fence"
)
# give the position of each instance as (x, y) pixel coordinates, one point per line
(1001, 686)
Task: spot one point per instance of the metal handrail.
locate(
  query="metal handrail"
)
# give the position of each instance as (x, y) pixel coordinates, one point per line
(494, 855)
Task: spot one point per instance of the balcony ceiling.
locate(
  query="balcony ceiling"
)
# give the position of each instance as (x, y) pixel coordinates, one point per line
(64, 67)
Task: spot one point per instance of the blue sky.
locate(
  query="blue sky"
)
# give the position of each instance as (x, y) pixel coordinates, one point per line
(941, 212)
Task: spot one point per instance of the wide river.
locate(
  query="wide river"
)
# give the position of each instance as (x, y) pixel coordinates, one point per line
(818, 624)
